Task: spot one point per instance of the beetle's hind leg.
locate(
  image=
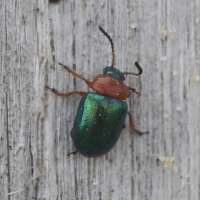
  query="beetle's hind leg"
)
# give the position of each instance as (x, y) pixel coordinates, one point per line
(74, 153)
(89, 83)
(65, 94)
(71, 132)
(132, 126)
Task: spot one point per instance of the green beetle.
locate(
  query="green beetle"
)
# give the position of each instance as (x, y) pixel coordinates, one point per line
(100, 117)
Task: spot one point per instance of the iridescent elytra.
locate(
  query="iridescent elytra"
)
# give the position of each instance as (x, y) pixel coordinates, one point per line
(101, 115)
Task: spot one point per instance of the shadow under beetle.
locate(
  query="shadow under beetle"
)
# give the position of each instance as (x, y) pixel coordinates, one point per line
(100, 117)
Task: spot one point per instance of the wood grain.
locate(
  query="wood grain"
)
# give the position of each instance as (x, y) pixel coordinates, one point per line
(163, 36)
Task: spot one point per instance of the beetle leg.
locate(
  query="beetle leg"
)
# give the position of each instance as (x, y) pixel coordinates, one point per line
(132, 126)
(132, 89)
(74, 153)
(65, 94)
(71, 132)
(89, 83)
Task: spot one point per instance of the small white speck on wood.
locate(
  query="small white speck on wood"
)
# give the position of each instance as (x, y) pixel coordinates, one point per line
(163, 36)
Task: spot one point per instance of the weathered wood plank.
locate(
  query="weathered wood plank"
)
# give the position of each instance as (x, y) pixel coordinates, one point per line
(163, 36)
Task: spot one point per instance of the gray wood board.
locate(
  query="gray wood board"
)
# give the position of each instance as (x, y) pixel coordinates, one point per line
(163, 36)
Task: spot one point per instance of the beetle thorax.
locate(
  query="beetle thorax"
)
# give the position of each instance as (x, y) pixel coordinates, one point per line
(110, 86)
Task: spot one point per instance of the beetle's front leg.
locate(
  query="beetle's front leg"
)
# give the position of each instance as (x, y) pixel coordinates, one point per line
(89, 83)
(65, 94)
(132, 126)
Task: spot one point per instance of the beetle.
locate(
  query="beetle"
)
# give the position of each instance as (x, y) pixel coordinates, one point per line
(100, 117)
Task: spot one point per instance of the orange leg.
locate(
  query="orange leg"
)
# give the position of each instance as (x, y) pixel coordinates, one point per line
(65, 94)
(131, 89)
(76, 74)
(132, 126)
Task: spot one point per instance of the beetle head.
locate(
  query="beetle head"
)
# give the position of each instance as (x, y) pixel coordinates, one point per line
(112, 71)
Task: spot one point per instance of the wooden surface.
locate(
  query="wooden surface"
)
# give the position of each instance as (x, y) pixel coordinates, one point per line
(163, 36)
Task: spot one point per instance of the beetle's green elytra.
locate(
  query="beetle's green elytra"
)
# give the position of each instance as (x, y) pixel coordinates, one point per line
(98, 124)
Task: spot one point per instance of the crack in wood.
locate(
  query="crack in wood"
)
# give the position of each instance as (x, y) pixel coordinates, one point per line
(8, 153)
(31, 155)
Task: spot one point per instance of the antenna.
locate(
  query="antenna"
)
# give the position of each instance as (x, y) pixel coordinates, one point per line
(111, 42)
(139, 68)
